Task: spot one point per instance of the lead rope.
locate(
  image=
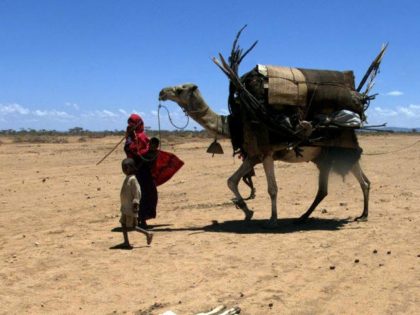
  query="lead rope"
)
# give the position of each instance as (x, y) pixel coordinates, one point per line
(170, 118)
(394, 151)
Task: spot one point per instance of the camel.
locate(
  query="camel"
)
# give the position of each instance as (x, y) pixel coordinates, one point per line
(326, 158)
(286, 114)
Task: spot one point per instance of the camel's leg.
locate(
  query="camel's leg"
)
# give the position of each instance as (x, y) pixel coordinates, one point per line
(268, 164)
(324, 172)
(233, 183)
(247, 179)
(365, 185)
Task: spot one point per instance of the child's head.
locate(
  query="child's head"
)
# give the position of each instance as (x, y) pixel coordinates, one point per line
(128, 166)
(154, 144)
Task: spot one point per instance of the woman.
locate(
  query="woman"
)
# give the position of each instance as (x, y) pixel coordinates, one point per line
(136, 146)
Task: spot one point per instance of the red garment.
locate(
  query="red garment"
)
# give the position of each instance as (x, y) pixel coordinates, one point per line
(165, 166)
(139, 143)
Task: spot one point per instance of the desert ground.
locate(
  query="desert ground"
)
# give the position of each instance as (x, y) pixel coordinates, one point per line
(59, 219)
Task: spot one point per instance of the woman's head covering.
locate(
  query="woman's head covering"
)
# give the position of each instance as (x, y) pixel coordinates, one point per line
(136, 121)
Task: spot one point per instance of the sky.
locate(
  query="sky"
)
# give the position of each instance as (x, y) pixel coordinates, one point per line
(89, 63)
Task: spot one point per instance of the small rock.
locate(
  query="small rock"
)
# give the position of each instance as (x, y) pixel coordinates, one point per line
(324, 211)
(36, 243)
(23, 236)
(388, 252)
(381, 265)
(241, 294)
(375, 251)
(418, 255)
(14, 256)
(343, 204)
(43, 180)
(98, 189)
(179, 302)
(332, 267)
(270, 305)
(356, 261)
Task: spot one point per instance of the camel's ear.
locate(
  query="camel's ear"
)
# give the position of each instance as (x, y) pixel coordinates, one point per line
(194, 88)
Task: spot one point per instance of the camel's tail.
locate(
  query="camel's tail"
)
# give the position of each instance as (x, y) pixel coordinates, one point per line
(340, 160)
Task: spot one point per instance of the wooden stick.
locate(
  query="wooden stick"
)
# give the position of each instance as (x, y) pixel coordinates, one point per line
(109, 153)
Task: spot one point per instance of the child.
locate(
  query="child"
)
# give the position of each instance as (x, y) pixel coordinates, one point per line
(130, 199)
(154, 145)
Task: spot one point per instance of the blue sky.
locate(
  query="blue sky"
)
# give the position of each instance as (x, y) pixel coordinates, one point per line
(91, 63)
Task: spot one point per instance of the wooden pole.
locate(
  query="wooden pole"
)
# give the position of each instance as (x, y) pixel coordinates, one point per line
(109, 153)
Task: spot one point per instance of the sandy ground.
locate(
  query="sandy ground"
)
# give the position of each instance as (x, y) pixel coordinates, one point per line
(58, 212)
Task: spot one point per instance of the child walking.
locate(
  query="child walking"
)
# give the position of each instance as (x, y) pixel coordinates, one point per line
(130, 200)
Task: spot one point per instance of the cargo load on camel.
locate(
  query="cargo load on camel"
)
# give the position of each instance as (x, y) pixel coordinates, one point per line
(281, 105)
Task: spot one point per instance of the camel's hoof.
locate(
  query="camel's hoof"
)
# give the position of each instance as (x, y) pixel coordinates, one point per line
(362, 218)
(248, 215)
(239, 203)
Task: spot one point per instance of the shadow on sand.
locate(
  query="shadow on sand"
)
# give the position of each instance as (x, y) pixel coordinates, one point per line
(287, 225)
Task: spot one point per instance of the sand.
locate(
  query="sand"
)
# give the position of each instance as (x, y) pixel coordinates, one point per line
(59, 213)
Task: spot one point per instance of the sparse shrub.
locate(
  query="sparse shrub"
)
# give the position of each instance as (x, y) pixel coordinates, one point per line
(33, 138)
(97, 135)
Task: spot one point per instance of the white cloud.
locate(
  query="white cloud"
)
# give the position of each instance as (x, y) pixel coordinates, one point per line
(411, 111)
(122, 111)
(109, 113)
(106, 114)
(51, 113)
(395, 93)
(13, 109)
(395, 116)
(385, 112)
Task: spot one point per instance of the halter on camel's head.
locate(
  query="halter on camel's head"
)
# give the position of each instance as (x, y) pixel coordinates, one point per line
(183, 94)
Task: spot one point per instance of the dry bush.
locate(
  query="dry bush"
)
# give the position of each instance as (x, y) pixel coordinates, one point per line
(96, 135)
(39, 139)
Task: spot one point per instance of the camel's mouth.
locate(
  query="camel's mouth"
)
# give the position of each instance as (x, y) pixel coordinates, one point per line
(177, 93)
(165, 93)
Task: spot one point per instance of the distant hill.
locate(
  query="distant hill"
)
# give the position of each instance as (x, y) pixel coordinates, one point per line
(393, 129)
(401, 129)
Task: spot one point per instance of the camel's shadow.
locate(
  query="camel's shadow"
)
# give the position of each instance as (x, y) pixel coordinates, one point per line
(287, 225)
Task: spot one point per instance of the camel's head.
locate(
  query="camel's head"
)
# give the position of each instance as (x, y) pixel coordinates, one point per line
(180, 94)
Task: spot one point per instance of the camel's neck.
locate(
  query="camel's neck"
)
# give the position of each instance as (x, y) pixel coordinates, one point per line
(198, 110)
